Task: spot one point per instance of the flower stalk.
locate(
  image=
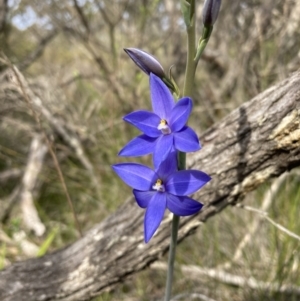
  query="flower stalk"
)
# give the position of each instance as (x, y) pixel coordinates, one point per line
(191, 48)
(206, 33)
(171, 259)
(166, 135)
(187, 90)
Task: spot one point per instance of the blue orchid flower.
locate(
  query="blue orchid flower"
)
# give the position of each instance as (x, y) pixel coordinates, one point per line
(210, 12)
(146, 62)
(160, 189)
(163, 129)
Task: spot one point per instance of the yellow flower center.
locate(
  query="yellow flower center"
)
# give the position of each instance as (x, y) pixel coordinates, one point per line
(163, 122)
(159, 186)
(163, 126)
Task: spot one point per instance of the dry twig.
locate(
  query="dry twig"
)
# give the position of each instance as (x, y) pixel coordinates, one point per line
(264, 215)
(36, 156)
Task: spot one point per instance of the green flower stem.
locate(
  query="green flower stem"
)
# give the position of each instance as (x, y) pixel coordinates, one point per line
(187, 91)
(191, 51)
(174, 234)
(171, 260)
(181, 160)
(206, 33)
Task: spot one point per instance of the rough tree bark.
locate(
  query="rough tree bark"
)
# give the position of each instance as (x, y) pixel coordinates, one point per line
(257, 141)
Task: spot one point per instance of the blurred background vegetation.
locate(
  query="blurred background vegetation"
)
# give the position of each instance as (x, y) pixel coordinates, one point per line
(71, 55)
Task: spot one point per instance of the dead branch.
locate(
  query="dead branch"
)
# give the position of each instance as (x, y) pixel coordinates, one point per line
(82, 17)
(264, 215)
(38, 150)
(195, 272)
(24, 192)
(257, 141)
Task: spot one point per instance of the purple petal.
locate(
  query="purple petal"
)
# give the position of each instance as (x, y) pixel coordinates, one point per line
(163, 146)
(186, 140)
(168, 166)
(180, 114)
(154, 214)
(135, 175)
(182, 205)
(185, 182)
(143, 197)
(210, 12)
(145, 121)
(162, 99)
(139, 146)
(145, 61)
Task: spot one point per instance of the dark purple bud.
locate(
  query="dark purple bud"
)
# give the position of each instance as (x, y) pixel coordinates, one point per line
(210, 12)
(146, 62)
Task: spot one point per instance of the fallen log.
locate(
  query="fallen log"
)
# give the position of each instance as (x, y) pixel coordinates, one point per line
(257, 141)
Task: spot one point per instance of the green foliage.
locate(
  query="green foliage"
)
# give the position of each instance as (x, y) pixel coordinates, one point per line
(2, 255)
(186, 12)
(47, 242)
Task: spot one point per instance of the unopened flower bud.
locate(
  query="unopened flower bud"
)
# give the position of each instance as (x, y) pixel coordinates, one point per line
(210, 12)
(146, 62)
